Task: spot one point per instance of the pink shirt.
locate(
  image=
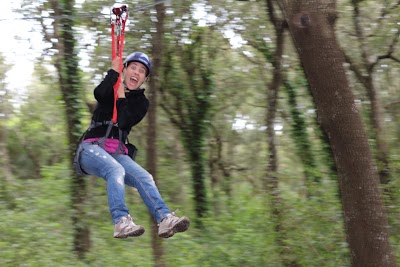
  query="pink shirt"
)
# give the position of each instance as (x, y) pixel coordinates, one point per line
(110, 145)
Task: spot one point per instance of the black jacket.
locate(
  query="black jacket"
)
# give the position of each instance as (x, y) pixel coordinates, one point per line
(131, 110)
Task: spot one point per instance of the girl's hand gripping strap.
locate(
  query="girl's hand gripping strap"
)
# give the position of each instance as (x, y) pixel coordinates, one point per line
(118, 19)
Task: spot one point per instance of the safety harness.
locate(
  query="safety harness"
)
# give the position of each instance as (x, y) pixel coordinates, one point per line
(118, 20)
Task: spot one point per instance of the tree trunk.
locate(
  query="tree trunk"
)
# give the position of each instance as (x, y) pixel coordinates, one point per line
(378, 129)
(68, 72)
(271, 183)
(302, 142)
(376, 112)
(311, 24)
(6, 176)
(197, 164)
(187, 100)
(154, 84)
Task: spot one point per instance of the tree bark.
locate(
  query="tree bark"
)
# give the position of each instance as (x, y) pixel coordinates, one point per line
(68, 72)
(311, 24)
(187, 100)
(301, 139)
(376, 112)
(154, 84)
(271, 183)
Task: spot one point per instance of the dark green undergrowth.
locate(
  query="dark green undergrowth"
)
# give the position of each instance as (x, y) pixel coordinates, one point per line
(239, 232)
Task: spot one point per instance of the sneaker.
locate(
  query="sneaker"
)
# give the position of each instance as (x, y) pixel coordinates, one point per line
(126, 227)
(172, 224)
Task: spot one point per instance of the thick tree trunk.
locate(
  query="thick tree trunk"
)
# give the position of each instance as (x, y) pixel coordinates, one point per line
(154, 85)
(68, 71)
(311, 24)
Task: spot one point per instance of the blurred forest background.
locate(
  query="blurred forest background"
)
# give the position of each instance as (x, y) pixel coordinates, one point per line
(234, 137)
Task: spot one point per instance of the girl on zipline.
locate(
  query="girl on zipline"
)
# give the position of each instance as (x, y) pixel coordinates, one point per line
(105, 152)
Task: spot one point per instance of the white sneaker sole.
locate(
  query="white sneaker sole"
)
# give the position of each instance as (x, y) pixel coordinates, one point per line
(135, 233)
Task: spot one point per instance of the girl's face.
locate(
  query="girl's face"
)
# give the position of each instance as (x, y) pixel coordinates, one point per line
(135, 75)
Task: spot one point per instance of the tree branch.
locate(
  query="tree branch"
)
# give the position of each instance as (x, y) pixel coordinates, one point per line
(356, 69)
(387, 10)
(390, 51)
(171, 116)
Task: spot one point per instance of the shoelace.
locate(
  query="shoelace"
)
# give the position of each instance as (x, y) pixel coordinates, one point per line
(174, 213)
(168, 216)
(128, 221)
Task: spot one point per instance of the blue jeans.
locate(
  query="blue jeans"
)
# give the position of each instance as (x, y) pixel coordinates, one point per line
(118, 170)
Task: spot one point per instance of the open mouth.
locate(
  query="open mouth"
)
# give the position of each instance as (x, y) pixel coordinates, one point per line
(133, 82)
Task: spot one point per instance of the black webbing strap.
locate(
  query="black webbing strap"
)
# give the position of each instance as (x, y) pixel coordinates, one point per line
(119, 143)
(102, 140)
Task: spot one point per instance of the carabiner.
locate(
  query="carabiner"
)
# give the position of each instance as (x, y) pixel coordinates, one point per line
(119, 10)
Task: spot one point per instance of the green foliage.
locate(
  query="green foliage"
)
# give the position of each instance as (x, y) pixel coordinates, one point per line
(300, 133)
(315, 227)
(39, 226)
(241, 234)
(40, 134)
(227, 86)
(189, 88)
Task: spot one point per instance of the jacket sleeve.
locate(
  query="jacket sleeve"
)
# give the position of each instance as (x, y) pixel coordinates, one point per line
(104, 92)
(131, 110)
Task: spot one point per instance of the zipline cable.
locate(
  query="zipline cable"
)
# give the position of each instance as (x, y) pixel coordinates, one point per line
(86, 15)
